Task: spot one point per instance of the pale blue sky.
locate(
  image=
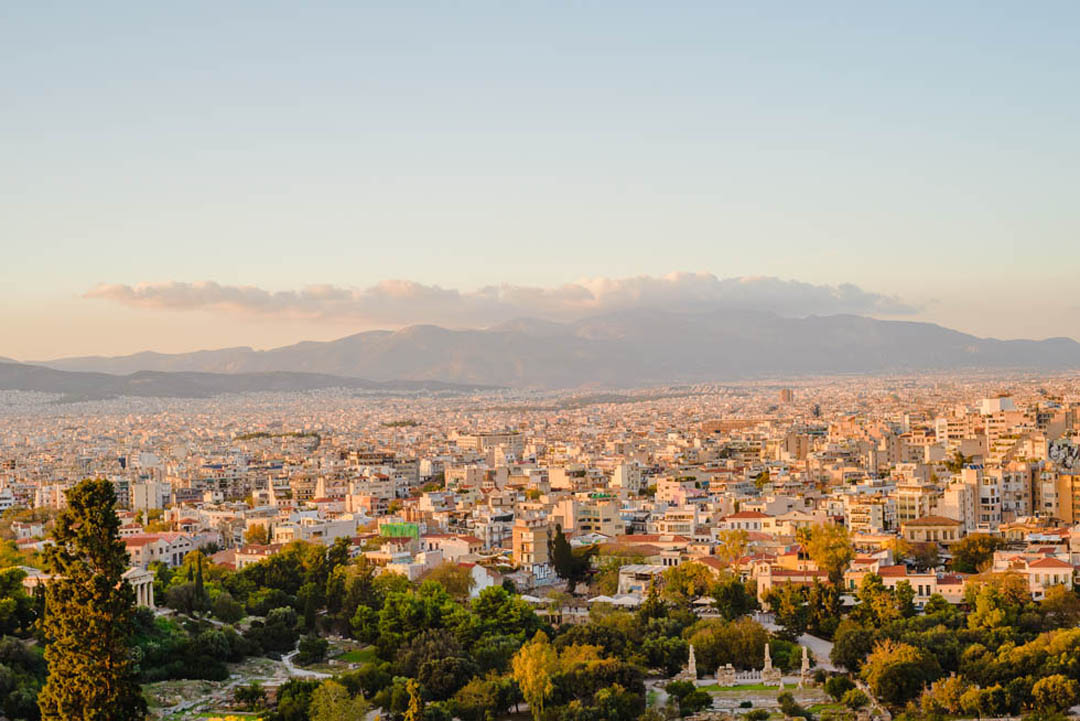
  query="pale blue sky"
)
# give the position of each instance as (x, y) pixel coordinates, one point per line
(927, 151)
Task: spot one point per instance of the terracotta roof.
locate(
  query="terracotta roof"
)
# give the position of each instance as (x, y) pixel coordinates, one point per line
(140, 540)
(933, 521)
(1049, 563)
(651, 538)
(711, 562)
(892, 571)
(788, 573)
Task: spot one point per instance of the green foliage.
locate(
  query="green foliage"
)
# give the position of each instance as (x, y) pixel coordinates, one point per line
(973, 552)
(278, 634)
(1055, 693)
(956, 462)
(685, 583)
(457, 580)
(294, 700)
(251, 696)
(11, 556)
(855, 699)
(17, 608)
(790, 708)
(331, 701)
(838, 685)
(852, 643)
(571, 565)
(897, 672)
(716, 642)
(688, 697)
(22, 674)
(732, 598)
(89, 611)
(226, 609)
(830, 548)
(533, 667)
(312, 649)
(824, 609)
(789, 607)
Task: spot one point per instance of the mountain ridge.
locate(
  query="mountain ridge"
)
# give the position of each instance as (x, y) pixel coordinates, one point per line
(89, 385)
(620, 349)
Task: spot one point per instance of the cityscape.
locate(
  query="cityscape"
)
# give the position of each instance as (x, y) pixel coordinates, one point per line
(948, 498)
(487, 361)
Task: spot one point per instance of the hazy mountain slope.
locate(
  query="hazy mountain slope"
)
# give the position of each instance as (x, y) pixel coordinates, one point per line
(625, 348)
(90, 385)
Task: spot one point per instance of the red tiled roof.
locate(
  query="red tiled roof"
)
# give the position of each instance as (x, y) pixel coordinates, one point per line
(1049, 563)
(892, 571)
(933, 521)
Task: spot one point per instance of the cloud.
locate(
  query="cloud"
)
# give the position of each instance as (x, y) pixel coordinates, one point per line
(403, 302)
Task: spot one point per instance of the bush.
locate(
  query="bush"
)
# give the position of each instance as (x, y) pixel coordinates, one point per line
(855, 699)
(790, 708)
(226, 609)
(837, 686)
(679, 689)
(758, 714)
(696, 700)
(312, 650)
(251, 696)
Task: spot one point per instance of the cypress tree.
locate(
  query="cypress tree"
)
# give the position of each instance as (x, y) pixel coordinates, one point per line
(88, 614)
(200, 590)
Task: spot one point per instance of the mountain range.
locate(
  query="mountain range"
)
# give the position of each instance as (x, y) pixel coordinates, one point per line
(91, 385)
(619, 349)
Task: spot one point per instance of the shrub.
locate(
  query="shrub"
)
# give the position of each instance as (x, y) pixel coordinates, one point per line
(855, 699)
(312, 649)
(837, 686)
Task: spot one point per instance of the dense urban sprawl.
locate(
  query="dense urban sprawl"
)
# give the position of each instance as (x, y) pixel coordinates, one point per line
(875, 546)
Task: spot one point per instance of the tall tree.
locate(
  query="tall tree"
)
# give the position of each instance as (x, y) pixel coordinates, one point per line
(534, 665)
(788, 605)
(731, 545)
(570, 565)
(200, 588)
(975, 552)
(89, 609)
(331, 702)
(829, 546)
(457, 580)
(731, 598)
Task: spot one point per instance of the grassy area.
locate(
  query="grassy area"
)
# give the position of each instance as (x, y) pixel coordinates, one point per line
(716, 688)
(819, 707)
(363, 655)
(223, 714)
(650, 698)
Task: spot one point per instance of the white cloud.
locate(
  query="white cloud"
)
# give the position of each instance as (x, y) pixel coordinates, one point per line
(403, 302)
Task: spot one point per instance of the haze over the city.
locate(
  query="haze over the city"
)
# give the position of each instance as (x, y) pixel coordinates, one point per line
(206, 175)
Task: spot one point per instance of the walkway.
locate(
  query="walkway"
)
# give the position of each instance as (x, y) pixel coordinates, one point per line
(817, 646)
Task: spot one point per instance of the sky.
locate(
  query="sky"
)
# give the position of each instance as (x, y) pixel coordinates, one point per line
(176, 176)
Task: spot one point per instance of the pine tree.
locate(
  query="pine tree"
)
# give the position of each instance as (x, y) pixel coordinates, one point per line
(88, 614)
